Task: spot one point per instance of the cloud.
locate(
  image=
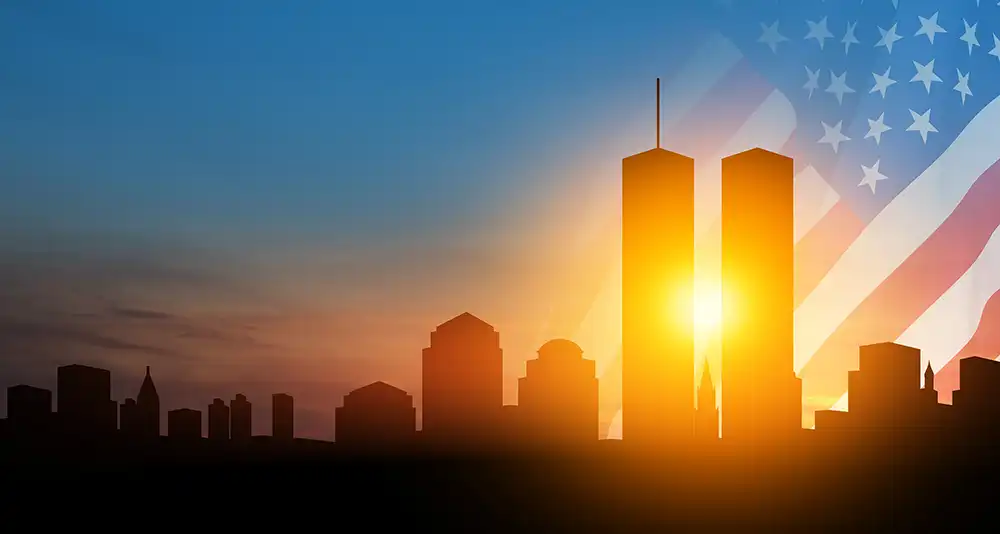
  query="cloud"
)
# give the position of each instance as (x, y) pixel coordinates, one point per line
(19, 334)
(131, 313)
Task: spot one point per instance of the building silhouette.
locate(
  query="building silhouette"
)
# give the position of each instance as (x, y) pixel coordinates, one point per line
(241, 418)
(376, 416)
(29, 409)
(707, 414)
(282, 416)
(147, 409)
(128, 418)
(511, 426)
(976, 403)
(657, 279)
(557, 397)
(462, 382)
(761, 396)
(184, 424)
(83, 401)
(885, 391)
(928, 393)
(218, 420)
(886, 405)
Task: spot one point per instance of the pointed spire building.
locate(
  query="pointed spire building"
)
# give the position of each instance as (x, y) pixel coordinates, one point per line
(928, 390)
(147, 409)
(707, 414)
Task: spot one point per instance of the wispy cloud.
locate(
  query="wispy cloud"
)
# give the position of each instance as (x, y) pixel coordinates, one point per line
(132, 313)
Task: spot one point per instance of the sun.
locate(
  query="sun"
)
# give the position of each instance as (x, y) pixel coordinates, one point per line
(706, 313)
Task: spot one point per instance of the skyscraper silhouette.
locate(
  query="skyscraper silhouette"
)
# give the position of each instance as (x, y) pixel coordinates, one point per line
(83, 401)
(557, 397)
(707, 414)
(241, 418)
(657, 298)
(462, 382)
(147, 410)
(282, 416)
(218, 420)
(761, 396)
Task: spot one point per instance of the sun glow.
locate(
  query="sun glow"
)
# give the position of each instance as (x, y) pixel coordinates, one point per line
(706, 311)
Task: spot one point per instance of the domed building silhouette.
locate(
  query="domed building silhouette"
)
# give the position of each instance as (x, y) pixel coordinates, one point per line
(557, 397)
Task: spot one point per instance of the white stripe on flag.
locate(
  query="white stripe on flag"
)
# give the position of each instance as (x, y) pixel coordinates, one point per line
(814, 198)
(942, 331)
(894, 234)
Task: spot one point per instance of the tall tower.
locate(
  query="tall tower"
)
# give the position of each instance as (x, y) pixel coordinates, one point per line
(761, 396)
(657, 280)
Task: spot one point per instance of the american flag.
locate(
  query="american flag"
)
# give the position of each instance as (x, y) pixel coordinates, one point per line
(890, 110)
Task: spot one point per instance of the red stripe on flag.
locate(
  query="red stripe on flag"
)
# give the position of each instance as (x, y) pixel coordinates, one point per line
(985, 342)
(908, 292)
(821, 247)
(721, 111)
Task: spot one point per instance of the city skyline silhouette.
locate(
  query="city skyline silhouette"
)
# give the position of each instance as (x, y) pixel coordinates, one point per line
(674, 431)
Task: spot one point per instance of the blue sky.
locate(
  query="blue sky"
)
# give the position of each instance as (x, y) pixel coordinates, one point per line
(250, 192)
(356, 119)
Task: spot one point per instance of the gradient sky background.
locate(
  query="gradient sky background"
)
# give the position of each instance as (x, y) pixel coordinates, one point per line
(258, 196)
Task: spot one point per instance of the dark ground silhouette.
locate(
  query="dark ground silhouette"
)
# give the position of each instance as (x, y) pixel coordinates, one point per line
(837, 485)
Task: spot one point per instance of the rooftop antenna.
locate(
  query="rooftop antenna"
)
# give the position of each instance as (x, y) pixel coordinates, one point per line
(657, 113)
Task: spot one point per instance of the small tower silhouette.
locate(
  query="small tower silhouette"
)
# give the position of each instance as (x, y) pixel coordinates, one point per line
(707, 416)
(929, 393)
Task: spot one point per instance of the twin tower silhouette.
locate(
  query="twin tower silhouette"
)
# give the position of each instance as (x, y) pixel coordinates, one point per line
(761, 396)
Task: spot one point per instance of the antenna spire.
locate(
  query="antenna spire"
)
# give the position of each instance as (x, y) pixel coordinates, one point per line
(657, 113)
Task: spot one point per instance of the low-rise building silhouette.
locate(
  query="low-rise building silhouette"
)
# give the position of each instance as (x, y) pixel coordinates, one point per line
(241, 418)
(218, 420)
(976, 402)
(282, 416)
(886, 403)
(83, 401)
(376, 415)
(462, 372)
(885, 390)
(184, 424)
(29, 409)
(557, 397)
